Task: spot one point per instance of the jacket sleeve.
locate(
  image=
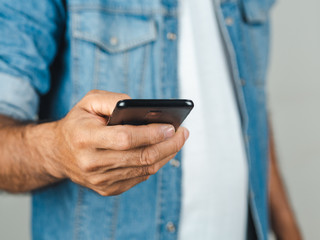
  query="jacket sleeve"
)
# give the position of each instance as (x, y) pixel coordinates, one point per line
(30, 32)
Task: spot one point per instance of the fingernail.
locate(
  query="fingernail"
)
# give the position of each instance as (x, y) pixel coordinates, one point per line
(169, 131)
(186, 134)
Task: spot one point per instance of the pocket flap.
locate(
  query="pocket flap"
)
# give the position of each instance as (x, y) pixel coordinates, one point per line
(113, 32)
(256, 11)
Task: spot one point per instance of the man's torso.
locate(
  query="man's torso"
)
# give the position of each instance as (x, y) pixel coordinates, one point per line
(127, 46)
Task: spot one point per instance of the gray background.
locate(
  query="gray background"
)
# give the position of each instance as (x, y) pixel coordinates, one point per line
(294, 90)
(294, 86)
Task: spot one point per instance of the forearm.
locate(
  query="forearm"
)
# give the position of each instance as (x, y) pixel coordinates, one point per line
(25, 153)
(107, 159)
(282, 218)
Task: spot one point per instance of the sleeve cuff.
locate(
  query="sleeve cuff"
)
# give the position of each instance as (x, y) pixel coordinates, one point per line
(18, 99)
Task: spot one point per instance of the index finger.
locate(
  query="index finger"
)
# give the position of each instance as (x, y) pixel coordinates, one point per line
(126, 137)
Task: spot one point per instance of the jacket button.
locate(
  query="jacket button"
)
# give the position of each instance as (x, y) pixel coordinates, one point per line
(175, 163)
(171, 227)
(229, 21)
(171, 36)
(113, 41)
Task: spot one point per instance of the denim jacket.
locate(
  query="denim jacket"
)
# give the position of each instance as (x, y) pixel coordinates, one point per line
(52, 52)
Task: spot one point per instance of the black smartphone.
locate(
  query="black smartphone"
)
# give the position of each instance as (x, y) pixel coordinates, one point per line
(145, 111)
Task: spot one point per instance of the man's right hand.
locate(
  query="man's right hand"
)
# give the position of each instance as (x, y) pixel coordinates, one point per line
(109, 159)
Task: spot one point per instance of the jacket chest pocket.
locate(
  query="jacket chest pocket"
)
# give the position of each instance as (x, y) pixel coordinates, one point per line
(248, 26)
(110, 50)
(256, 29)
(256, 11)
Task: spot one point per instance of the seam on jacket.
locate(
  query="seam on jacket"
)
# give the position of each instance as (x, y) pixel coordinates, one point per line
(123, 10)
(146, 51)
(115, 214)
(96, 74)
(236, 78)
(77, 220)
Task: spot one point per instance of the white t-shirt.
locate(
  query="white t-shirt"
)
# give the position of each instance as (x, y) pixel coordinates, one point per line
(215, 172)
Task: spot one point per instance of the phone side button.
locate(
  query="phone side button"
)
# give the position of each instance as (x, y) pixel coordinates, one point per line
(175, 163)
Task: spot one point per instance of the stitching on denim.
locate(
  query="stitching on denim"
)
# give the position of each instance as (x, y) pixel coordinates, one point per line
(122, 10)
(234, 67)
(132, 44)
(115, 217)
(96, 74)
(179, 174)
(228, 1)
(77, 221)
(22, 110)
(143, 70)
(162, 57)
(159, 206)
(257, 85)
(261, 81)
(256, 223)
(240, 98)
(126, 72)
(18, 113)
(75, 59)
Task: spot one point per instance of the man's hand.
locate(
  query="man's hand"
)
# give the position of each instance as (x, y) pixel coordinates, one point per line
(107, 159)
(111, 159)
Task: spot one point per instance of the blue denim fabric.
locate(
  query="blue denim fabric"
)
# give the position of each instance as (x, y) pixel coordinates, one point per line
(63, 49)
(247, 40)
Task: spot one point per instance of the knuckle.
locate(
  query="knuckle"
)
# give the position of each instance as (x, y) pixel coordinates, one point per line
(149, 155)
(93, 92)
(94, 181)
(115, 190)
(108, 182)
(133, 173)
(88, 97)
(143, 160)
(154, 134)
(104, 193)
(124, 140)
(178, 144)
(144, 171)
(152, 170)
(176, 147)
(80, 142)
(124, 96)
(154, 154)
(84, 165)
(79, 139)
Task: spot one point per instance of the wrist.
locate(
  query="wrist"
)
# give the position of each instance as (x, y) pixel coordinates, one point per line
(43, 143)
